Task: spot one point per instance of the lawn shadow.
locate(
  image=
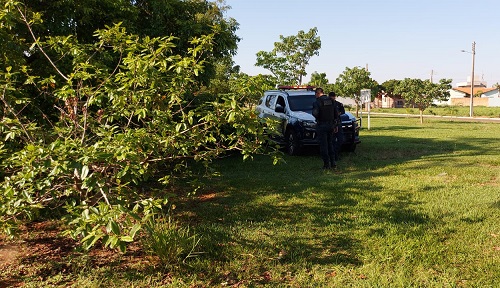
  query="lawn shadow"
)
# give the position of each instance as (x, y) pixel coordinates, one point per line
(265, 196)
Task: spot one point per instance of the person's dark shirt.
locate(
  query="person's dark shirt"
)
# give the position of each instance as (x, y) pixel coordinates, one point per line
(324, 109)
(340, 107)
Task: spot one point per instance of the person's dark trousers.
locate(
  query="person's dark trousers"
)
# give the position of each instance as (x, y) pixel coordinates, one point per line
(326, 147)
(339, 136)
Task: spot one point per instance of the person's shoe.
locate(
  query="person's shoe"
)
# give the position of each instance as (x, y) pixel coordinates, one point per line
(326, 167)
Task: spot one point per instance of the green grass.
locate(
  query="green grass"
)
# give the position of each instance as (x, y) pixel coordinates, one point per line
(415, 206)
(463, 111)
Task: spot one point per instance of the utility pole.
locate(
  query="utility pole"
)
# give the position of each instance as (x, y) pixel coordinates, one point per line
(432, 73)
(471, 111)
(472, 81)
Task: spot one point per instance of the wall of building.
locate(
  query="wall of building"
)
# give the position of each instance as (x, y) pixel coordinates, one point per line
(346, 101)
(466, 101)
(388, 102)
(491, 94)
(493, 102)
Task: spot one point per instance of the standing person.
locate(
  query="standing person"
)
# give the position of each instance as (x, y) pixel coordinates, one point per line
(324, 112)
(339, 135)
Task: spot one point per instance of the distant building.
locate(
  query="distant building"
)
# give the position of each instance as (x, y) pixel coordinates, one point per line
(346, 101)
(477, 82)
(383, 100)
(460, 95)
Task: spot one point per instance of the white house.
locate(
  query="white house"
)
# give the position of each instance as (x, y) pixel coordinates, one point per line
(460, 95)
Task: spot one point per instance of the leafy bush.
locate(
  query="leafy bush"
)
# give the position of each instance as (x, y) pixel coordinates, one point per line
(110, 131)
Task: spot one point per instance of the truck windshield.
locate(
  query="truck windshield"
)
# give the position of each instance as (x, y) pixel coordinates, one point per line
(301, 102)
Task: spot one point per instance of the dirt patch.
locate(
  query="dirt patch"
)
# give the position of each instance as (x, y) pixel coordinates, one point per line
(207, 197)
(8, 254)
(41, 252)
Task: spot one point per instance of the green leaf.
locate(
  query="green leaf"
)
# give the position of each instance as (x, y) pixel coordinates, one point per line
(10, 135)
(134, 230)
(87, 241)
(85, 172)
(122, 247)
(106, 240)
(113, 241)
(88, 237)
(108, 227)
(126, 238)
(231, 116)
(115, 228)
(85, 214)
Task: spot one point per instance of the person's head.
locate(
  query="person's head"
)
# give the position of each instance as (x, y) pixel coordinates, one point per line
(319, 92)
(332, 95)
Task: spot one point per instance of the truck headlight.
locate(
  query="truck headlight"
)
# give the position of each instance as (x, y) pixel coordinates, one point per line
(309, 124)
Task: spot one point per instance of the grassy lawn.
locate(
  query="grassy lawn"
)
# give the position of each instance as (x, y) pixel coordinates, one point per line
(462, 111)
(414, 206)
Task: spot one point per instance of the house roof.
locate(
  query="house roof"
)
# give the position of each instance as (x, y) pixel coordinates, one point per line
(476, 89)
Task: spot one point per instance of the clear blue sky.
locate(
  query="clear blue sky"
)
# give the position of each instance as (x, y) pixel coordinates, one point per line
(396, 39)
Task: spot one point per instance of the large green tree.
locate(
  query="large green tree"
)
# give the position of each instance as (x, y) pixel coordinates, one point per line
(318, 79)
(124, 138)
(389, 86)
(229, 80)
(352, 81)
(290, 57)
(421, 93)
(251, 88)
(184, 19)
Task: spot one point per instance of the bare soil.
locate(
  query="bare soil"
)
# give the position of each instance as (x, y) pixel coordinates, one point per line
(41, 252)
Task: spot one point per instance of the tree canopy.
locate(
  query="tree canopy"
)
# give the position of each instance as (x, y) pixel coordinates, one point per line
(290, 57)
(106, 130)
(318, 79)
(389, 86)
(352, 80)
(184, 19)
(422, 93)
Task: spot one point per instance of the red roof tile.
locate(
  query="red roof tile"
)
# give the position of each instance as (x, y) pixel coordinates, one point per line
(476, 89)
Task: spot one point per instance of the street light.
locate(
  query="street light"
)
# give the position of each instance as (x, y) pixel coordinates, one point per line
(471, 114)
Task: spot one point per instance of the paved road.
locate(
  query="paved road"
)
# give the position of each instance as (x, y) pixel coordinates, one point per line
(452, 118)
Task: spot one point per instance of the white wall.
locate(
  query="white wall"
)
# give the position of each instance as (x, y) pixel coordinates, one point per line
(491, 94)
(346, 101)
(494, 102)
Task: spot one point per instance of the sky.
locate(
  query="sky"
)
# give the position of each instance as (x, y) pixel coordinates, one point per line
(394, 39)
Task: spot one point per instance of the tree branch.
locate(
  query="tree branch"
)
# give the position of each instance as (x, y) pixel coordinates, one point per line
(38, 45)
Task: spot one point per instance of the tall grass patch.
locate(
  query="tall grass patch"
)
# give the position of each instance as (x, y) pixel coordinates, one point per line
(172, 244)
